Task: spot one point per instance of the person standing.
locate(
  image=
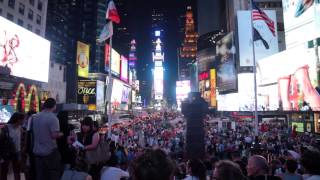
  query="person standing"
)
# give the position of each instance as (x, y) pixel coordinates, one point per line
(46, 129)
(13, 131)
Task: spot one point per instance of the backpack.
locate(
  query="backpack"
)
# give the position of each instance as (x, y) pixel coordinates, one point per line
(7, 147)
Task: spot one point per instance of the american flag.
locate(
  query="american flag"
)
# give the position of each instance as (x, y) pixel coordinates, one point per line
(258, 14)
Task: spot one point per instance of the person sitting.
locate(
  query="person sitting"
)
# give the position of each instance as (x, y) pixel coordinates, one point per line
(228, 170)
(258, 169)
(152, 165)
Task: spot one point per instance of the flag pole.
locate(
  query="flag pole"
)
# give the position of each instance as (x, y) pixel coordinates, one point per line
(109, 87)
(256, 120)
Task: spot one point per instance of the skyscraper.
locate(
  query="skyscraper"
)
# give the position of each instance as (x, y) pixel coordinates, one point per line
(30, 14)
(187, 53)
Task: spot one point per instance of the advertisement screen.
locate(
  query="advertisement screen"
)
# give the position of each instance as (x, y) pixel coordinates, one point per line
(265, 42)
(124, 69)
(213, 85)
(116, 95)
(300, 21)
(294, 74)
(299, 126)
(125, 94)
(100, 96)
(87, 90)
(106, 56)
(182, 90)
(115, 62)
(23, 53)
(6, 112)
(158, 82)
(83, 59)
(227, 73)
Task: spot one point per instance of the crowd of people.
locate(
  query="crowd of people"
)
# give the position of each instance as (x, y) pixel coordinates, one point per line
(151, 147)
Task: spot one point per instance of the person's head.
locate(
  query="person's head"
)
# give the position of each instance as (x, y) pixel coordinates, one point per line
(291, 165)
(257, 165)
(310, 160)
(197, 168)
(227, 170)
(16, 118)
(153, 164)
(86, 124)
(50, 104)
(95, 127)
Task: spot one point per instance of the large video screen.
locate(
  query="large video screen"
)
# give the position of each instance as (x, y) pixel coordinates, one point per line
(265, 41)
(23, 53)
(125, 94)
(227, 72)
(182, 90)
(301, 20)
(124, 69)
(293, 76)
(116, 95)
(115, 62)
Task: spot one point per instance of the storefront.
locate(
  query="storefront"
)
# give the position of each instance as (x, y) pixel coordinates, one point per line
(304, 121)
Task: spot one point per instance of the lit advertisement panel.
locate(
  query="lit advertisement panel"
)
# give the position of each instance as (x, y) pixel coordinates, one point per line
(226, 71)
(300, 21)
(116, 95)
(125, 94)
(213, 85)
(106, 56)
(158, 82)
(6, 112)
(83, 59)
(124, 69)
(265, 42)
(295, 74)
(100, 96)
(115, 62)
(87, 90)
(23, 53)
(182, 90)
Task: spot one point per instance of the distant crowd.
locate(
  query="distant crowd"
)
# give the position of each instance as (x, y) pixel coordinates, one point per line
(151, 147)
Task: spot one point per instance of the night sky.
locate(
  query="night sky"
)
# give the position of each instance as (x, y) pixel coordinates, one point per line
(140, 27)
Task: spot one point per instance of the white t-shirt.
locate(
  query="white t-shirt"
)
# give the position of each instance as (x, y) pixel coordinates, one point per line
(113, 173)
(191, 178)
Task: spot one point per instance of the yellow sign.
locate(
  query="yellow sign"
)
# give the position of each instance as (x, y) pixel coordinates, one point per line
(83, 59)
(213, 85)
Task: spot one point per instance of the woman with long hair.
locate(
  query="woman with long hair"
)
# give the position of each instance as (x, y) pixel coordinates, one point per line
(12, 132)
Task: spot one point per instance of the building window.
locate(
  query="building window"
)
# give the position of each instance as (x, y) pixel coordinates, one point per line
(29, 27)
(30, 14)
(20, 22)
(40, 5)
(11, 3)
(31, 2)
(38, 31)
(38, 19)
(21, 8)
(10, 16)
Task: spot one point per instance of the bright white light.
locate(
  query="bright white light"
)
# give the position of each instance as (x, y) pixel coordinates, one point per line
(157, 33)
(25, 53)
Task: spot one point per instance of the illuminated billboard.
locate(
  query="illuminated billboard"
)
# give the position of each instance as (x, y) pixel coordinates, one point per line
(213, 86)
(124, 69)
(100, 96)
(125, 94)
(294, 72)
(265, 41)
(87, 90)
(182, 90)
(116, 95)
(83, 59)
(158, 82)
(23, 53)
(115, 62)
(301, 21)
(226, 70)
